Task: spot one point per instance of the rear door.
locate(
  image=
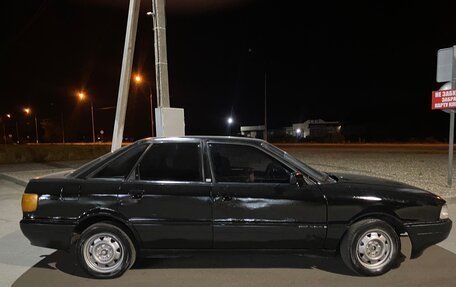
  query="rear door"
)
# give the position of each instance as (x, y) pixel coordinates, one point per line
(255, 206)
(167, 200)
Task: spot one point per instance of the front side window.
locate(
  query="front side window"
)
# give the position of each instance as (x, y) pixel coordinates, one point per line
(171, 162)
(243, 163)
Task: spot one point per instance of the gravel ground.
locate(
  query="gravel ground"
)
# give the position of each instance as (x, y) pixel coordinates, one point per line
(422, 167)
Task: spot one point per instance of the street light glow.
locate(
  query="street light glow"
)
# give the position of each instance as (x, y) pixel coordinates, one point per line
(27, 111)
(81, 95)
(298, 131)
(138, 78)
(229, 120)
(8, 116)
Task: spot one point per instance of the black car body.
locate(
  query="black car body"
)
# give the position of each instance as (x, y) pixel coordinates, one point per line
(173, 195)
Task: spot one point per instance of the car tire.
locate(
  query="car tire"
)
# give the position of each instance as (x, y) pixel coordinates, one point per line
(105, 251)
(370, 247)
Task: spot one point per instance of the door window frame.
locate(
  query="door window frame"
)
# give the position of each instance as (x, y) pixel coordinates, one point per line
(132, 178)
(211, 164)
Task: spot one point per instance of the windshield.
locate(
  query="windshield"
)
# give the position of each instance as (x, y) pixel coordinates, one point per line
(318, 175)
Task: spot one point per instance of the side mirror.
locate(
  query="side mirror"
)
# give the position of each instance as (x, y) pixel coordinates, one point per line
(297, 178)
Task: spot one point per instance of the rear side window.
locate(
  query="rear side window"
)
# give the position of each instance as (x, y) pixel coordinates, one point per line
(171, 162)
(122, 165)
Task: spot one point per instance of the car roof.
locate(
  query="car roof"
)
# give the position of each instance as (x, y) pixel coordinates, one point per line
(207, 138)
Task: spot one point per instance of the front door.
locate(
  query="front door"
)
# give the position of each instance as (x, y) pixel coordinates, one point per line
(166, 199)
(256, 206)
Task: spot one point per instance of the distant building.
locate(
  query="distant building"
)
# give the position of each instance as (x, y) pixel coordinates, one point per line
(253, 131)
(316, 130)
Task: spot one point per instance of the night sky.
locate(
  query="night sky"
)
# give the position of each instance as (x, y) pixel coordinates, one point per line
(368, 64)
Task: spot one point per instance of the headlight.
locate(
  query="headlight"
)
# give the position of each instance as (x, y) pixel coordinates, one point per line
(444, 212)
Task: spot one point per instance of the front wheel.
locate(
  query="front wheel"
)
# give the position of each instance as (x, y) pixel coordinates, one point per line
(105, 251)
(370, 247)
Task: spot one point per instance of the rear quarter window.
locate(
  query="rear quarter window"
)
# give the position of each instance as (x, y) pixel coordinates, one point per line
(121, 166)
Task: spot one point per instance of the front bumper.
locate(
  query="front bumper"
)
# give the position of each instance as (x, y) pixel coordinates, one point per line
(423, 235)
(50, 235)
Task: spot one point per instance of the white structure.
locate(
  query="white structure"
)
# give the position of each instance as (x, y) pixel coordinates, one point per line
(303, 130)
(253, 131)
(170, 122)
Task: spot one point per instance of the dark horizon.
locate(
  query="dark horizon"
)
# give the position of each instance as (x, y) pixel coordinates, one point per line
(368, 65)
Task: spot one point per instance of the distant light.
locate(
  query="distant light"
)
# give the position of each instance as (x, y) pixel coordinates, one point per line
(8, 116)
(230, 120)
(138, 79)
(81, 95)
(338, 128)
(298, 131)
(27, 110)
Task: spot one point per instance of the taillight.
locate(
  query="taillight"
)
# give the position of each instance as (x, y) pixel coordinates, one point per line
(29, 202)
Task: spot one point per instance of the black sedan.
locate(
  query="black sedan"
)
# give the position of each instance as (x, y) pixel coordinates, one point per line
(179, 195)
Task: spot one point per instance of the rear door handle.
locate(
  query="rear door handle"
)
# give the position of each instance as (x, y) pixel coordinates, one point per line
(136, 194)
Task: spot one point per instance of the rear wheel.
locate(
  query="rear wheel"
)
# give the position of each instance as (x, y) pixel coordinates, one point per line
(105, 251)
(370, 247)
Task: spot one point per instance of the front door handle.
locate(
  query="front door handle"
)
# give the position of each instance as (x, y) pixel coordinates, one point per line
(136, 194)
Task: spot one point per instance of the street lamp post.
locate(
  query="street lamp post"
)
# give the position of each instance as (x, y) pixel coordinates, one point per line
(17, 132)
(7, 117)
(93, 121)
(28, 111)
(229, 121)
(82, 97)
(4, 132)
(36, 129)
(63, 128)
(138, 80)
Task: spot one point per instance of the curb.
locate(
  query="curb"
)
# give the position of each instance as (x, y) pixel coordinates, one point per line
(13, 180)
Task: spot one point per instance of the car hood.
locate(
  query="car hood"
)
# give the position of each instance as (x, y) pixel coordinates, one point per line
(390, 187)
(363, 179)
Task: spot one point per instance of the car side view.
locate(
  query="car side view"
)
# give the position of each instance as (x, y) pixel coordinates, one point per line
(163, 196)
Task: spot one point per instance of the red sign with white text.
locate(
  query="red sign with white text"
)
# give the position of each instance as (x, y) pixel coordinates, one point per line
(445, 99)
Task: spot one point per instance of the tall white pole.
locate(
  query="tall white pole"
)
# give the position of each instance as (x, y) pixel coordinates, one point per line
(151, 112)
(161, 57)
(125, 75)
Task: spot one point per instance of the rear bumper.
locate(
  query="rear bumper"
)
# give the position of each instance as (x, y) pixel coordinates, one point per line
(423, 235)
(50, 235)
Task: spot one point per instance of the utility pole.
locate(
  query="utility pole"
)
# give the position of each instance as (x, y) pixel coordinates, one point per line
(161, 58)
(4, 132)
(93, 121)
(36, 130)
(125, 75)
(265, 107)
(17, 132)
(63, 128)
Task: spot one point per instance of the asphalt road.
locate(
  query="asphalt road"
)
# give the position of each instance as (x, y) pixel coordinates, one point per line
(24, 265)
